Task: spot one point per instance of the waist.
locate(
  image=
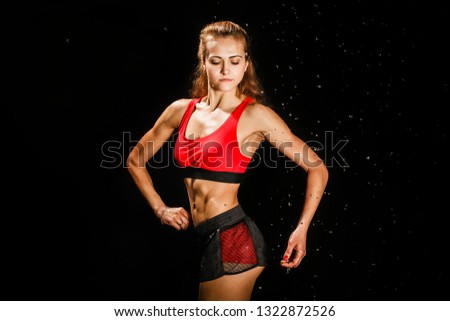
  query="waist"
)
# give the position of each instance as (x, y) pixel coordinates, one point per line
(228, 218)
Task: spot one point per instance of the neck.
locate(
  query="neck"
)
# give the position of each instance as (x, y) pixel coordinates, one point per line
(222, 99)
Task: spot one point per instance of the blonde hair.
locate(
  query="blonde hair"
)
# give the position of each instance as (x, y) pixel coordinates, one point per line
(250, 84)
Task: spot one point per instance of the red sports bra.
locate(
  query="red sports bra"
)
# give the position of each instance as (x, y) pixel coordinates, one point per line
(216, 156)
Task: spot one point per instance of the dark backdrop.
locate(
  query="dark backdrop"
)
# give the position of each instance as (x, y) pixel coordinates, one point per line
(365, 82)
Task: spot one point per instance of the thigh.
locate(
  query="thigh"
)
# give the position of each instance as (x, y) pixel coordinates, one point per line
(230, 287)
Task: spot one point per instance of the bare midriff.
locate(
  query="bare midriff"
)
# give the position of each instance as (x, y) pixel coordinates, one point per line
(209, 198)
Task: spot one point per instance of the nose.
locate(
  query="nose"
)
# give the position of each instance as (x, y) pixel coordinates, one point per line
(225, 68)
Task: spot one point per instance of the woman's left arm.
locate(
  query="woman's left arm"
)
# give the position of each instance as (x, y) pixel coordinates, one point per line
(277, 132)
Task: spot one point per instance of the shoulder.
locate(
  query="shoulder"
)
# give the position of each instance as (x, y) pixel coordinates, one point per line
(261, 113)
(174, 112)
(178, 106)
(257, 109)
(263, 118)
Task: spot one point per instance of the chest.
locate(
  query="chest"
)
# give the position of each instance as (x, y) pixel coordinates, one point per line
(203, 123)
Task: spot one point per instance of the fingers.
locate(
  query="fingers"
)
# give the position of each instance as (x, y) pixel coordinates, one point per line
(287, 255)
(298, 258)
(184, 213)
(177, 217)
(182, 223)
(292, 261)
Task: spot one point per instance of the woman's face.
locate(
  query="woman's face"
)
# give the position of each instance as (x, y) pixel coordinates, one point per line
(225, 63)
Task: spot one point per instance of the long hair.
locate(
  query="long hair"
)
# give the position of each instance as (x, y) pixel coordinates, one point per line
(250, 84)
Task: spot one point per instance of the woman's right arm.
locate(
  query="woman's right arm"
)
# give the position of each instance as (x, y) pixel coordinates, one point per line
(147, 147)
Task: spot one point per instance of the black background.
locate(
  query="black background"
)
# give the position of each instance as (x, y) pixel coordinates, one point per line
(84, 81)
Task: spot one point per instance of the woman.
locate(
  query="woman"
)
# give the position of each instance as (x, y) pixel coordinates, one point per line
(219, 130)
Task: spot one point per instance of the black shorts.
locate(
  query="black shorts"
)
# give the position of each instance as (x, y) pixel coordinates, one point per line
(230, 243)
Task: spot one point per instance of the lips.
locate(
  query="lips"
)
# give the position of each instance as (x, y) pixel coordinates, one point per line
(225, 79)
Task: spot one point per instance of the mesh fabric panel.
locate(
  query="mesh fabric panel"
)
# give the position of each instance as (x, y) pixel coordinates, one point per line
(238, 250)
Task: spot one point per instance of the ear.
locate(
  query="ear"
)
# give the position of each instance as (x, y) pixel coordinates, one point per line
(246, 66)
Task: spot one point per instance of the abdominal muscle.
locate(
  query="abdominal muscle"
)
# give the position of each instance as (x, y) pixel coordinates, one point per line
(209, 198)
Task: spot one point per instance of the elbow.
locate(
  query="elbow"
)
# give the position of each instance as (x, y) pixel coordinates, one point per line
(131, 161)
(321, 172)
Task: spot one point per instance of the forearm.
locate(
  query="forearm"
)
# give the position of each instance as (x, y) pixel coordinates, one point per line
(315, 186)
(145, 185)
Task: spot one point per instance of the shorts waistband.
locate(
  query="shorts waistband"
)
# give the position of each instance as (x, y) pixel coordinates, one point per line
(225, 219)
